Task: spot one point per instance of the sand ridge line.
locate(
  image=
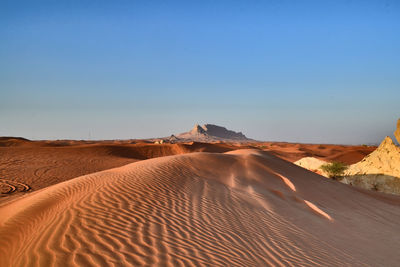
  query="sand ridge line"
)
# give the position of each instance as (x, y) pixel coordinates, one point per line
(183, 210)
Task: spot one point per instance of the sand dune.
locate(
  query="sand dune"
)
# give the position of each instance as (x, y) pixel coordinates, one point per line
(38, 164)
(312, 164)
(241, 208)
(293, 152)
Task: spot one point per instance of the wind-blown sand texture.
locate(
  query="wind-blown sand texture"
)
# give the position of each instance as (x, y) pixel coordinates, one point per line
(26, 165)
(241, 208)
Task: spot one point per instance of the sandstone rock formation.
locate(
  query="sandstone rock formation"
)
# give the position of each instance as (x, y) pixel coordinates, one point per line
(384, 160)
(173, 139)
(378, 171)
(210, 132)
(397, 132)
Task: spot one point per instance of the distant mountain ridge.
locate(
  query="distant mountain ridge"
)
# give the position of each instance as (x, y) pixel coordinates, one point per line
(211, 132)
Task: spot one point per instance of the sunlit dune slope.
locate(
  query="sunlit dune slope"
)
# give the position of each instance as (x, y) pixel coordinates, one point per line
(38, 164)
(242, 208)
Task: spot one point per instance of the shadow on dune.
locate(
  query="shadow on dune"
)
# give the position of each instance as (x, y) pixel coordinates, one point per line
(375, 182)
(241, 208)
(148, 151)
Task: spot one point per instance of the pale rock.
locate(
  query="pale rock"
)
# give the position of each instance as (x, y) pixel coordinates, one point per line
(397, 132)
(384, 160)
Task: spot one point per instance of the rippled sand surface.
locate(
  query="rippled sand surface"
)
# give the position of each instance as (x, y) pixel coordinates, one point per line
(240, 208)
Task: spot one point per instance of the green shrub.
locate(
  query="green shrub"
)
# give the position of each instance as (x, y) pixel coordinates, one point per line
(335, 169)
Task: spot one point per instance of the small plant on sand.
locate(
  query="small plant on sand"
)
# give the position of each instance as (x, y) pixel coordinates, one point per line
(335, 170)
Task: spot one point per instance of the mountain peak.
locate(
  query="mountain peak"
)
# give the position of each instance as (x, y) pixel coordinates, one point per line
(387, 144)
(197, 129)
(211, 132)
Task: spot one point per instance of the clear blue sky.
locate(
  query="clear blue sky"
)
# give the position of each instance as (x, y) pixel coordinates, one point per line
(305, 71)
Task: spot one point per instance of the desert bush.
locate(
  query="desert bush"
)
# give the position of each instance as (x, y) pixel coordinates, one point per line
(334, 170)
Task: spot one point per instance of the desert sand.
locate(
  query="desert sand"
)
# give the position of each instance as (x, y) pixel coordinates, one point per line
(293, 152)
(240, 208)
(312, 164)
(26, 165)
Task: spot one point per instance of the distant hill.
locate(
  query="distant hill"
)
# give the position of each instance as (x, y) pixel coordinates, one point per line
(210, 132)
(12, 141)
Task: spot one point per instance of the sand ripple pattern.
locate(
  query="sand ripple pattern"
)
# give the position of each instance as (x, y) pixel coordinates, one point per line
(202, 209)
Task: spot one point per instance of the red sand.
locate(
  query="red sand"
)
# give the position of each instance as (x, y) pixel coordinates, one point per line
(30, 165)
(293, 152)
(241, 208)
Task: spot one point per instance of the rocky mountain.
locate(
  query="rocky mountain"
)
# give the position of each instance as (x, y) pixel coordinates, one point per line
(211, 132)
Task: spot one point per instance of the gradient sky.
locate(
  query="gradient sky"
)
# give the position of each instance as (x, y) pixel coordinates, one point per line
(303, 71)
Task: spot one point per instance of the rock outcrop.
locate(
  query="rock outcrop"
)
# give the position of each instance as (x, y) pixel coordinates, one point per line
(173, 138)
(197, 130)
(379, 171)
(210, 132)
(384, 160)
(397, 132)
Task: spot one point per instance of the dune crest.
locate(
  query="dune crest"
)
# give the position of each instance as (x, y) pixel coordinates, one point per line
(201, 209)
(312, 164)
(27, 166)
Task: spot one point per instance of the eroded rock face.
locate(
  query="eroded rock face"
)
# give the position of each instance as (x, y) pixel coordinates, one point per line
(379, 171)
(222, 132)
(397, 132)
(197, 130)
(210, 132)
(384, 160)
